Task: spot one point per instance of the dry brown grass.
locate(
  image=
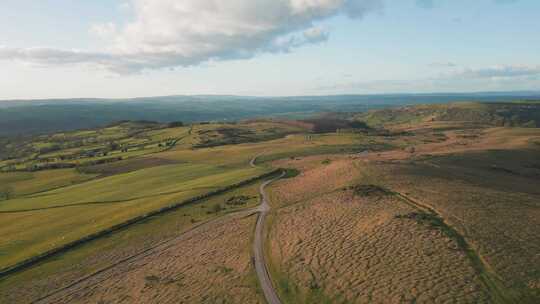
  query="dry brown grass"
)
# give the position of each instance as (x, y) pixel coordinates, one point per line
(319, 175)
(344, 248)
(492, 198)
(210, 265)
(329, 244)
(483, 182)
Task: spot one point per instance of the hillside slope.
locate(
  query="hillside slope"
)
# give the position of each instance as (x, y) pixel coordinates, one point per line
(513, 114)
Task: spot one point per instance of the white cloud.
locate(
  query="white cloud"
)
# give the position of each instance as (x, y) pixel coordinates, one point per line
(169, 33)
(501, 71)
(53, 56)
(504, 77)
(316, 34)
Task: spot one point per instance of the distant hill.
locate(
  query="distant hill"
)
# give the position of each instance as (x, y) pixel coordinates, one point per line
(21, 117)
(509, 114)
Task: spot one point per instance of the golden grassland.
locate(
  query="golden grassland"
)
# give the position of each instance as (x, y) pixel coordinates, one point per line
(47, 209)
(482, 186)
(327, 242)
(210, 265)
(492, 199)
(360, 251)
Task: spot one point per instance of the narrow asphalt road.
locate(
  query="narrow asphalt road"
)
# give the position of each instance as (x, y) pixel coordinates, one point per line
(260, 266)
(269, 292)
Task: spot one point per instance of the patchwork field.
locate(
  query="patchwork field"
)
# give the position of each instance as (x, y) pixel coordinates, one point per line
(154, 234)
(51, 219)
(426, 204)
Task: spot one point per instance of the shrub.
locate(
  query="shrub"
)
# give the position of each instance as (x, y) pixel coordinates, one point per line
(291, 172)
(216, 208)
(369, 190)
(238, 200)
(6, 193)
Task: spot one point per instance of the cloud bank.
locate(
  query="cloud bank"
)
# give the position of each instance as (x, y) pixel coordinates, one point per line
(171, 33)
(459, 79)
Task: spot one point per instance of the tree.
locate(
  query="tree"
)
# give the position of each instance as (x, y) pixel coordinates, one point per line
(358, 125)
(114, 146)
(216, 208)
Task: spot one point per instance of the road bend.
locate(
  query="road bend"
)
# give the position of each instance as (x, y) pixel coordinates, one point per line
(261, 268)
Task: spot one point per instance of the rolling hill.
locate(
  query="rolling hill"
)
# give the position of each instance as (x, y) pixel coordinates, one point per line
(24, 117)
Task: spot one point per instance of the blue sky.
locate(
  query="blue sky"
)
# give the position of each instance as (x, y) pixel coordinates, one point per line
(106, 48)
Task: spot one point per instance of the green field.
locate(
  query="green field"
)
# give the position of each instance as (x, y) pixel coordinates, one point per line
(50, 208)
(51, 219)
(25, 183)
(99, 253)
(57, 189)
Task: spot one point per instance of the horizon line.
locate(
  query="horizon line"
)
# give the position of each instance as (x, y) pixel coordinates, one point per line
(502, 92)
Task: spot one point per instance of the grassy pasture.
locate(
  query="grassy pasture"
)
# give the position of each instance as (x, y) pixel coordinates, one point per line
(295, 145)
(26, 183)
(216, 134)
(54, 273)
(122, 190)
(124, 140)
(50, 219)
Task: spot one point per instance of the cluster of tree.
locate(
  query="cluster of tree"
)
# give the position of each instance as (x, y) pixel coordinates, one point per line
(113, 146)
(175, 124)
(142, 122)
(238, 200)
(41, 167)
(168, 143)
(329, 125)
(52, 148)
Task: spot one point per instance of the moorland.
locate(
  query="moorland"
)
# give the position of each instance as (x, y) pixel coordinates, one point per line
(434, 203)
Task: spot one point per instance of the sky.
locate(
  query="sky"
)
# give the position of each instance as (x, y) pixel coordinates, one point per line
(134, 48)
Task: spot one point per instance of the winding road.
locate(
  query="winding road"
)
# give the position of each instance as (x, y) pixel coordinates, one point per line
(99, 276)
(269, 292)
(258, 247)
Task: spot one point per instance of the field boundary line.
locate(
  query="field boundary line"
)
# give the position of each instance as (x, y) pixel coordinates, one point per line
(148, 251)
(488, 277)
(82, 204)
(55, 251)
